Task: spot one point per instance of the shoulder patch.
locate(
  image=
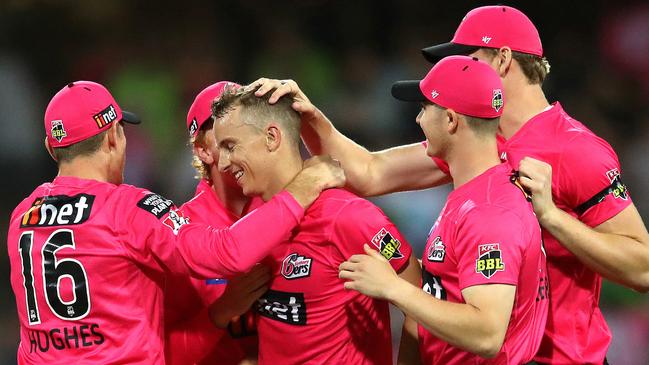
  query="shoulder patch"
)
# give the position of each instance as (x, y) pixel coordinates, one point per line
(388, 246)
(489, 260)
(155, 204)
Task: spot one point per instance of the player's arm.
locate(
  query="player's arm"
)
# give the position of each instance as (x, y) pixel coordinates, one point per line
(477, 326)
(204, 251)
(618, 248)
(368, 173)
(409, 346)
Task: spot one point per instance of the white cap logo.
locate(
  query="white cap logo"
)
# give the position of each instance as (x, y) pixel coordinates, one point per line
(434, 94)
(486, 39)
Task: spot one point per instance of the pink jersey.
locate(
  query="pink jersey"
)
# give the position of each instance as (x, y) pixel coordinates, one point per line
(191, 338)
(586, 184)
(487, 234)
(88, 263)
(307, 317)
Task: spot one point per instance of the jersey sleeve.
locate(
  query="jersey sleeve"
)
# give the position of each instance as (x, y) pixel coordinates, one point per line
(441, 164)
(360, 222)
(162, 236)
(590, 181)
(489, 247)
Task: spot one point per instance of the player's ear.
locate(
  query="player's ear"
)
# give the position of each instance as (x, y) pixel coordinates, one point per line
(504, 61)
(202, 152)
(113, 135)
(49, 149)
(273, 137)
(452, 121)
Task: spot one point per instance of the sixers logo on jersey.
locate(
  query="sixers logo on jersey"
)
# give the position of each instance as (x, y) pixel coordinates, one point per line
(436, 250)
(58, 210)
(489, 260)
(283, 306)
(295, 266)
(388, 246)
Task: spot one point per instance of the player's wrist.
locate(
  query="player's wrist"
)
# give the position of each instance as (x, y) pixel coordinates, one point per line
(397, 291)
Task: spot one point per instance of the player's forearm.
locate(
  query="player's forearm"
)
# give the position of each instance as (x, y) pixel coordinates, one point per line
(617, 257)
(461, 325)
(409, 346)
(215, 252)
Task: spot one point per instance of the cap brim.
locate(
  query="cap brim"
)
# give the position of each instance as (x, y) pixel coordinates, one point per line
(408, 91)
(435, 53)
(130, 118)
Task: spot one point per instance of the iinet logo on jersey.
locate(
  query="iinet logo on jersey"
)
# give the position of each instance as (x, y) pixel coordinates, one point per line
(58, 210)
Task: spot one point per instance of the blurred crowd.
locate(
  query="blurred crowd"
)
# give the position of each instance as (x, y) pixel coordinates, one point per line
(345, 55)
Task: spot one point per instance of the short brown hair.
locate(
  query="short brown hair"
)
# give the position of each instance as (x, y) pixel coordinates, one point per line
(482, 127)
(256, 111)
(535, 68)
(84, 148)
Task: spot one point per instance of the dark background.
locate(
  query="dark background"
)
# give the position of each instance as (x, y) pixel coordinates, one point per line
(155, 56)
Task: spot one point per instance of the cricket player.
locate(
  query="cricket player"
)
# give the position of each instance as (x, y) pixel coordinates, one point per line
(191, 337)
(307, 317)
(484, 276)
(591, 228)
(89, 254)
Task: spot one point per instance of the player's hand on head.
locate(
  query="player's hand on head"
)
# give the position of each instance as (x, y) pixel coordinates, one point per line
(536, 177)
(369, 274)
(301, 102)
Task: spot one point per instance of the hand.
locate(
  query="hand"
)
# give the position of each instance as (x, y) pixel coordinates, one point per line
(240, 293)
(318, 173)
(301, 102)
(369, 274)
(536, 176)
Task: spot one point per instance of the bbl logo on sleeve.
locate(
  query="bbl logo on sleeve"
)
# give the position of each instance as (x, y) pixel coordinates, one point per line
(436, 250)
(618, 189)
(489, 260)
(497, 100)
(388, 246)
(58, 132)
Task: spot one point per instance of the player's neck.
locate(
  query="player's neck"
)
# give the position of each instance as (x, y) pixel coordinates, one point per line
(283, 172)
(231, 196)
(85, 168)
(522, 103)
(469, 160)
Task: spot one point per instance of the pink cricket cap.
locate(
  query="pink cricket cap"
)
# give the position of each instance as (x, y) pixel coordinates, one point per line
(464, 84)
(490, 27)
(81, 110)
(201, 109)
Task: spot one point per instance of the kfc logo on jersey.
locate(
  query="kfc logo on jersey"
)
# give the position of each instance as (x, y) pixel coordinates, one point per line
(617, 188)
(436, 250)
(497, 100)
(58, 210)
(295, 266)
(388, 246)
(155, 204)
(283, 306)
(58, 132)
(489, 260)
(105, 117)
(175, 220)
(193, 127)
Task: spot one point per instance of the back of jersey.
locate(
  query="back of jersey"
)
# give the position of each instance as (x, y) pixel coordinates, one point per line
(79, 295)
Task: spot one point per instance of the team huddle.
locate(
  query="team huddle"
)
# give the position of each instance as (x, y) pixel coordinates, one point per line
(281, 260)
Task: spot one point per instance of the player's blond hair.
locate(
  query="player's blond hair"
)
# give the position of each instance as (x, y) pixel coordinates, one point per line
(202, 169)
